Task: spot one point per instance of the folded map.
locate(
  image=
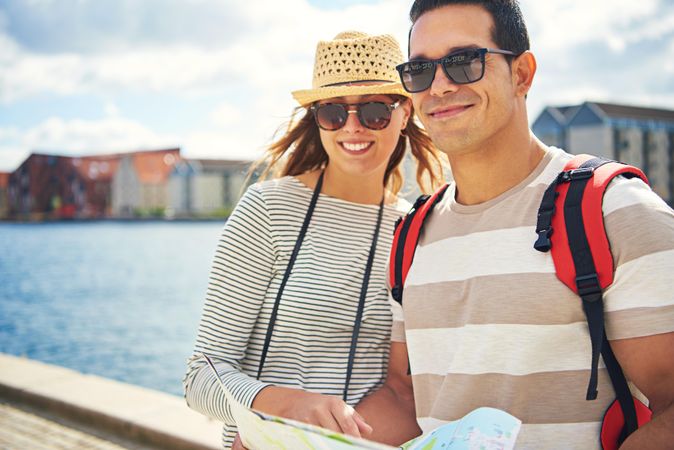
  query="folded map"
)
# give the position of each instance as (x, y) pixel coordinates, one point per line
(481, 429)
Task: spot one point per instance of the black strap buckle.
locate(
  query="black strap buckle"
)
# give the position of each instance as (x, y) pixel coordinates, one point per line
(588, 287)
(399, 220)
(581, 173)
(543, 243)
(397, 294)
(420, 201)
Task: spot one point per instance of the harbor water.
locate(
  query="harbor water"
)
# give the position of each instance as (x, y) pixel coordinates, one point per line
(117, 299)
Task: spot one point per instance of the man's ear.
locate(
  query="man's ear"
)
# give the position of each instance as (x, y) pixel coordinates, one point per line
(523, 70)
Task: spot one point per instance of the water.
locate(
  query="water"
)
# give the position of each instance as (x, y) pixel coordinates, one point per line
(117, 299)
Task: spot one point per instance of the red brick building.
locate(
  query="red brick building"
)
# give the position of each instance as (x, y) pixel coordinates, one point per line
(45, 186)
(4, 195)
(64, 187)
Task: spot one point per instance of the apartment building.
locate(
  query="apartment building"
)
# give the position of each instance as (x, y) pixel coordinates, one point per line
(640, 136)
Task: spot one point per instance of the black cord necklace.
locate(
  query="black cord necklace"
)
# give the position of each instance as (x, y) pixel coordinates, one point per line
(363, 289)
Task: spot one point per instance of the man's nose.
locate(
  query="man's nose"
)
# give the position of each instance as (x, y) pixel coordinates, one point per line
(442, 84)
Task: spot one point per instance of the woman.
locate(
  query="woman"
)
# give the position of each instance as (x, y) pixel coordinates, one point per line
(296, 315)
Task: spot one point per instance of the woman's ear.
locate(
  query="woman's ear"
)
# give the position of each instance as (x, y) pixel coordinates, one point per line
(406, 105)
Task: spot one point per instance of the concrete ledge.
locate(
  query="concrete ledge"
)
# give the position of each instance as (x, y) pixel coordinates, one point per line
(130, 412)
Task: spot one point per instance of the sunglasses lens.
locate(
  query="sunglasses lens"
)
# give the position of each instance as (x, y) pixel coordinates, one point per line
(375, 115)
(330, 116)
(465, 67)
(417, 76)
(462, 68)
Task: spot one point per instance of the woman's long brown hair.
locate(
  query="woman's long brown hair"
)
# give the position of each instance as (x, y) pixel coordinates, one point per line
(300, 150)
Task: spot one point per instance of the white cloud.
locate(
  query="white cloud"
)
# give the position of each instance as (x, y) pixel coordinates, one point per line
(9, 133)
(544, 93)
(559, 24)
(11, 158)
(180, 69)
(77, 137)
(276, 52)
(668, 58)
(263, 65)
(247, 56)
(116, 134)
(226, 115)
(603, 50)
(222, 145)
(655, 27)
(110, 109)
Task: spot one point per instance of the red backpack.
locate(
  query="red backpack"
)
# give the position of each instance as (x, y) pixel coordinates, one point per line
(583, 262)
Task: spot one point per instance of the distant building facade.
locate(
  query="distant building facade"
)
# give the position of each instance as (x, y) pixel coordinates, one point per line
(640, 136)
(95, 176)
(48, 186)
(4, 195)
(148, 183)
(45, 186)
(140, 184)
(202, 187)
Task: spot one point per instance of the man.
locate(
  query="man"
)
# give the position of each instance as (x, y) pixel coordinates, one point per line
(484, 320)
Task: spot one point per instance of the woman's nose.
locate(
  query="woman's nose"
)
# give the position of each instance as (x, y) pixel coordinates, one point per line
(352, 121)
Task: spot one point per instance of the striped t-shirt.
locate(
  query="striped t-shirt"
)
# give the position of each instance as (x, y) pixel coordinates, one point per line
(312, 334)
(487, 323)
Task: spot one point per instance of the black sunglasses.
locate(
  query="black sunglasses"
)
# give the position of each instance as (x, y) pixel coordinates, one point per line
(372, 115)
(461, 67)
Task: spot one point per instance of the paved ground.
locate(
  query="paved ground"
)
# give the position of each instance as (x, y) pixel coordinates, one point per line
(49, 407)
(22, 431)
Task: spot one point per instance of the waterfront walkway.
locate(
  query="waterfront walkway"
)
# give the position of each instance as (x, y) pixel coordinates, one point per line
(22, 430)
(50, 407)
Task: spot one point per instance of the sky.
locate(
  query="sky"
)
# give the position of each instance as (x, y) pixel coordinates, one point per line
(214, 77)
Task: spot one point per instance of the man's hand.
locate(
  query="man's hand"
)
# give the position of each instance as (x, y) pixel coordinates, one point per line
(649, 363)
(326, 411)
(391, 410)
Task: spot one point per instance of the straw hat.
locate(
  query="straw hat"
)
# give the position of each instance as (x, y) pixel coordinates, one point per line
(350, 59)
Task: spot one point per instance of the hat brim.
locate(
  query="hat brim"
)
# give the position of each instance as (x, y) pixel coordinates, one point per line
(306, 97)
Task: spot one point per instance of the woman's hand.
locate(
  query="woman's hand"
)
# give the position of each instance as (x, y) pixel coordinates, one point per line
(237, 444)
(326, 411)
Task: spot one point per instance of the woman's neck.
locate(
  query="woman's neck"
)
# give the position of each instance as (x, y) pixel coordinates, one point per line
(355, 189)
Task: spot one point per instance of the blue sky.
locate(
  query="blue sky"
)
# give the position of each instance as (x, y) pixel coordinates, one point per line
(214, 76)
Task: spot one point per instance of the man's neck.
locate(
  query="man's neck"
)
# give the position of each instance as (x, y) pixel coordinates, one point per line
(496, 167)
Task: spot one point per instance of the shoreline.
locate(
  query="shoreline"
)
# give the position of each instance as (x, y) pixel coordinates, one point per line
(116, 220)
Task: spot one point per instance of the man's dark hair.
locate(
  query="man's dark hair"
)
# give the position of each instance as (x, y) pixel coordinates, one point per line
(510, 31)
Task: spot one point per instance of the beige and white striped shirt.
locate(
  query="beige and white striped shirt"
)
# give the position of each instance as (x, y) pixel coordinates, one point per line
(487, 323)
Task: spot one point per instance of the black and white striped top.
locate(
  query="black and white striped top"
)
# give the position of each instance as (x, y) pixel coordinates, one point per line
(312, 335)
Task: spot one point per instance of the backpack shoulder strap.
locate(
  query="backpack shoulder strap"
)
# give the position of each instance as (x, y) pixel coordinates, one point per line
(406, 238)
(583, 260)
(580, 189)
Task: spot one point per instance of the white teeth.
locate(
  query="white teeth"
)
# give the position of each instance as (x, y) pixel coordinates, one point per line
(355, 147)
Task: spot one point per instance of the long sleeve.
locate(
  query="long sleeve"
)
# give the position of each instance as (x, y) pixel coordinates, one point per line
(240, 276)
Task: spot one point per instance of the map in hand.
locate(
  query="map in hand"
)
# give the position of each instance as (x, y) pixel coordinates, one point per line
(481, 429)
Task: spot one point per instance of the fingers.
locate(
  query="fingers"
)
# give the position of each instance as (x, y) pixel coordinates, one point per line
(345, 416)
(237, 444)
(326, 411)
(325, 418)
(344, 419)
(364, 428)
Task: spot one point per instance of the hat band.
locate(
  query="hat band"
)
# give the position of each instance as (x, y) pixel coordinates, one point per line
(348, 83)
